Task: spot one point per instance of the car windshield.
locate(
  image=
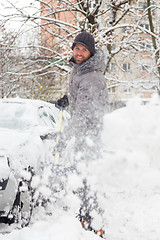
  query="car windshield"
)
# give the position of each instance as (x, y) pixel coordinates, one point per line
(15, 116)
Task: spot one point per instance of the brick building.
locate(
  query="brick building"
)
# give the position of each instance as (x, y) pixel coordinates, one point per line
(52, 31)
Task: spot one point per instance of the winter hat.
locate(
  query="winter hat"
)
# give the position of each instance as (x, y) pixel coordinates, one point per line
(85, 39)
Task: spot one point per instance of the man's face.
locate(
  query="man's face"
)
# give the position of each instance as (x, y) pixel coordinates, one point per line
(80, 53)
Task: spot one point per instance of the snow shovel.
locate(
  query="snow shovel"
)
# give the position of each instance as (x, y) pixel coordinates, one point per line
(58, 136)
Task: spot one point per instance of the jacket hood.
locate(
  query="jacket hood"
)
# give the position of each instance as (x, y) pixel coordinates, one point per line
(94, 63)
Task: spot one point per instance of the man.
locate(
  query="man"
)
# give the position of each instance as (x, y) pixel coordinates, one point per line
(88, 101)
(87, 96)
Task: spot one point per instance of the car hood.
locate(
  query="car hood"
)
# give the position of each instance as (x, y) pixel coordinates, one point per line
(22, 148)
(12, 138)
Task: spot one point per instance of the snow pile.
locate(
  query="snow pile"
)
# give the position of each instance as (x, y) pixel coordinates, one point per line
(132, 171)
(126, 179)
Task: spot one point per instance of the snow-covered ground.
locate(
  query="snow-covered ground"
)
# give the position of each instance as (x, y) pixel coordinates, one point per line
(126, 179)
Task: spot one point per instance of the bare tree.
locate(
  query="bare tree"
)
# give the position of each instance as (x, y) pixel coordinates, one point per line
(154, 37)
(7, 41)
(119, 27)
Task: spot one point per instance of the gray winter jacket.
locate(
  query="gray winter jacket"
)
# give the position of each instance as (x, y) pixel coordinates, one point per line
(88, 97)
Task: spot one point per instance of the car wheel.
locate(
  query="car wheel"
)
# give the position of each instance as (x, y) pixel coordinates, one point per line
(22, 209)
(26, 205)
(23, 206)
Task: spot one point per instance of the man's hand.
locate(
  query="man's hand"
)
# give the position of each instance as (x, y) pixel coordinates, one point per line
(62, 103)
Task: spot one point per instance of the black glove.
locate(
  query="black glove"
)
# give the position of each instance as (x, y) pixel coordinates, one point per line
(62, 103)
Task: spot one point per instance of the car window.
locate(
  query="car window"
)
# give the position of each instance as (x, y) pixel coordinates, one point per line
(46, 117)
(12, 116)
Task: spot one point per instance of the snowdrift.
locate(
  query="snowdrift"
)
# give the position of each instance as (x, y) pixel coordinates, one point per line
(126, 178)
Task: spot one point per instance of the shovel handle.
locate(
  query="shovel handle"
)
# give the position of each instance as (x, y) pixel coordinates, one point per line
(58, 136)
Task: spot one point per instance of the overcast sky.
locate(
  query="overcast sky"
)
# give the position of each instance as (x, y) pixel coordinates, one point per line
(10, 11)
(9, 8)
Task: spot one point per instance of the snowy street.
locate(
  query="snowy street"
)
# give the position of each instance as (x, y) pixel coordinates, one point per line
(126, 179)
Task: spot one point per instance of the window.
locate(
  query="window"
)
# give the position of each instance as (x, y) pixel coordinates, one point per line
(126, 89)
(113, 67)
(144, 67)
(142, 46)
(124, 29)
(145, 46)
(126, 67)
(148, 46)
(46, 117)
(112, 89)
(142, 5)
(145, 26)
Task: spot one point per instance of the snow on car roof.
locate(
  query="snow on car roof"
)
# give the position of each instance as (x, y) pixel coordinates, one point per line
(26, 109)
(36, 102)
